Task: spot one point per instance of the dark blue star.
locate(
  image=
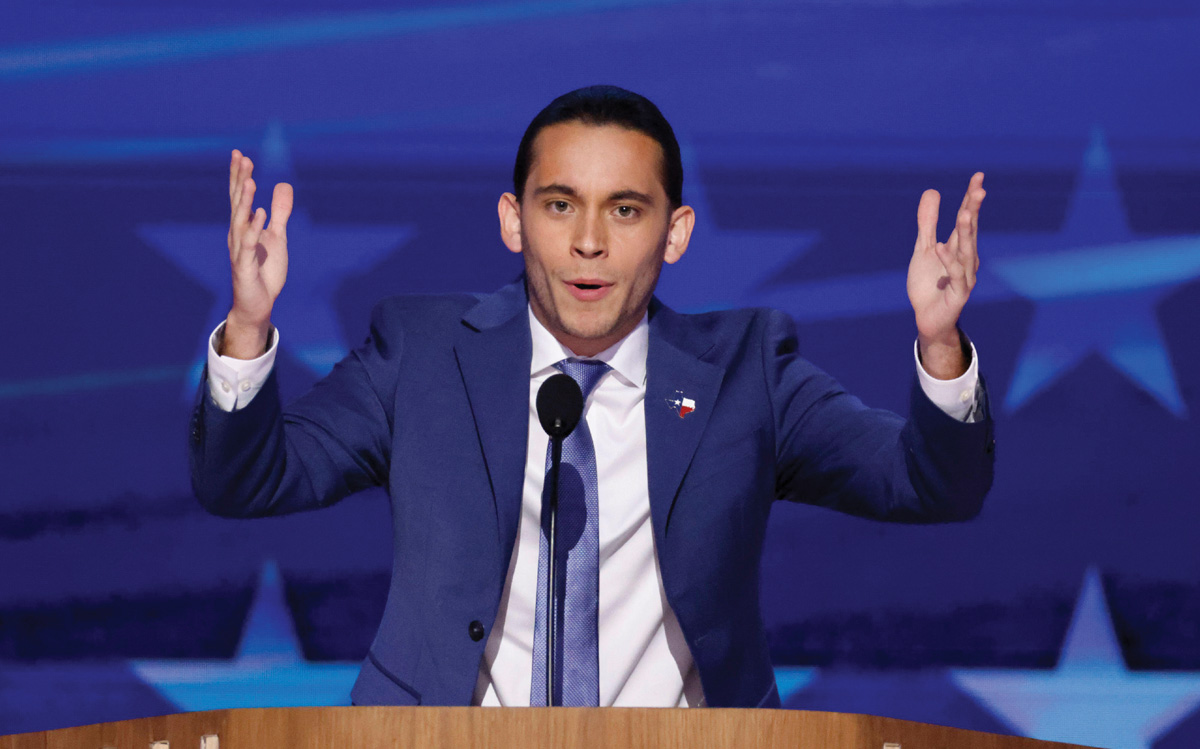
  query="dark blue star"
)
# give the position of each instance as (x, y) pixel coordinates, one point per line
(319, 257)
(1095, 285)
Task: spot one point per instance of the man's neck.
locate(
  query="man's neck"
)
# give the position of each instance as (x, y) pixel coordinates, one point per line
(626, 356)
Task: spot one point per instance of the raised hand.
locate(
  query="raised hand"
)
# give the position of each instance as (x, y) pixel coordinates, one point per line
(258, 258)
(941, 276)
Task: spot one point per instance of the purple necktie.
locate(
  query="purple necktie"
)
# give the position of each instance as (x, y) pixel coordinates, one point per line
(577, 662)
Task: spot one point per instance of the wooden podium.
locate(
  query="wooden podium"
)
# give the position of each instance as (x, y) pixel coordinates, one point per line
(432, 727)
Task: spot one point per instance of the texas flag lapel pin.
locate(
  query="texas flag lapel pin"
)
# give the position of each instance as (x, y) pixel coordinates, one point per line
(681, 405)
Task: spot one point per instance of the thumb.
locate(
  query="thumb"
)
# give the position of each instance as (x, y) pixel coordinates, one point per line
(927, 216)
(281, 208)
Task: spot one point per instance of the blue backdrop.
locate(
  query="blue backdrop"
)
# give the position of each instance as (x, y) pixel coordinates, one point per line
(1069, 610)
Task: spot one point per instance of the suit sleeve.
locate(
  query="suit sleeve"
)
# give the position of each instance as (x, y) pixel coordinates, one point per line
(267, 460)
(833, 451)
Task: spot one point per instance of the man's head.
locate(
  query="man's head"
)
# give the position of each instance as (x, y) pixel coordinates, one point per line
(596, 210)
(605, 105)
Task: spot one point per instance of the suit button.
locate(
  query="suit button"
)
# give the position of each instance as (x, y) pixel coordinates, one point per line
(991, 446)
(475, 629)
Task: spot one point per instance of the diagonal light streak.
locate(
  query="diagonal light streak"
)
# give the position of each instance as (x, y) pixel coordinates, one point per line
(51, 59)
(53, 149)
(88, 381)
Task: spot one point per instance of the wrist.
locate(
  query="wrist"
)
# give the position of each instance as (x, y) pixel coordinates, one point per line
(944, 357)
(240, 339)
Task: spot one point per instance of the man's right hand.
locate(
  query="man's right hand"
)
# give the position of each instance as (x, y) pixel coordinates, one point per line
(258, 258)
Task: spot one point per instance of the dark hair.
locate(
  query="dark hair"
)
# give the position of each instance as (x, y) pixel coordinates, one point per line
(606, 105)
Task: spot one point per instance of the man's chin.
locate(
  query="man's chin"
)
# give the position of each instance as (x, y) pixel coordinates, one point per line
(593, 332)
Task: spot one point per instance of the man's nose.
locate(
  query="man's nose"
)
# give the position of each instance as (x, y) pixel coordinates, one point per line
(590, 238)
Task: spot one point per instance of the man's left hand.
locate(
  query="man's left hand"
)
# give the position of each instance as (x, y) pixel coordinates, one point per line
(940, 278)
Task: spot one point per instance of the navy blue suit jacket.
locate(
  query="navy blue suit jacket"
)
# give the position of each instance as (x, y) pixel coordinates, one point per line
(434, 406)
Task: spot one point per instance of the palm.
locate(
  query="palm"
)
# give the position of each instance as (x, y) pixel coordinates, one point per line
(941, 275)
(258, 283)
(257, 252)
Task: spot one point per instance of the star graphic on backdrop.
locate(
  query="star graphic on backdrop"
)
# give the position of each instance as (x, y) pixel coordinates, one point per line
(722, 268)
(1090, 697)
(1094, 283)
(1096, 287)
(791, 679)
(268, 670)
(319, 257)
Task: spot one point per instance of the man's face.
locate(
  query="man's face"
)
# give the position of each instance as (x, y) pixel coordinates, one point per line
(595, 227)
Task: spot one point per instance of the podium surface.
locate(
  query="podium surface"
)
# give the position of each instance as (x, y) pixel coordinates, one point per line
(365, 727)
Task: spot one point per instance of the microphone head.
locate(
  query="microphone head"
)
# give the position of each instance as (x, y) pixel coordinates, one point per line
(559, 405)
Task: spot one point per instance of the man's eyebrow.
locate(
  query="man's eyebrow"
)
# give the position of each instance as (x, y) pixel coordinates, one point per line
(624, 195)
(557, 189)
(620, 196)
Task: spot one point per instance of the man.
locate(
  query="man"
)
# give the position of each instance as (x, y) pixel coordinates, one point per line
(693, 424)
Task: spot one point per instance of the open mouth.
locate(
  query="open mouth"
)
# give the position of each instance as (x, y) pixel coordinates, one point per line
(589, 290)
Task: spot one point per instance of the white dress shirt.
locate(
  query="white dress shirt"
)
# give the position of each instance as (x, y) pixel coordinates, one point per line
(644, 660)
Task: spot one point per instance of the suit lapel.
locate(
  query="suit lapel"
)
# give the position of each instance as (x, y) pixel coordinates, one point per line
(674, 370)
(493, 351)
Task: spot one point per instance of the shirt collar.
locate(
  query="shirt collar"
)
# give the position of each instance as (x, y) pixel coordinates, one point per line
(626, 357)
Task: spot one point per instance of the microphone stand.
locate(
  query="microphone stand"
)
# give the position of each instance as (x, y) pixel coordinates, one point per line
(552, 566)
(559, 408)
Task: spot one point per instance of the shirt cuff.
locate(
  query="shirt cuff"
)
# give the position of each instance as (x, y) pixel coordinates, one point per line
(958, 397)
(233, 383)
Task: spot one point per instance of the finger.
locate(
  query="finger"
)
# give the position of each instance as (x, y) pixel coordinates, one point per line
(241, 215)
(974, 195)
(976, 183)
(952, 265)
(965, 243)
(281, 208)
(946, 253)
(966, 201)
(248, 255)
(972, 200)
(245, 170)
(927, 215)
(234, 160)
(968, 226)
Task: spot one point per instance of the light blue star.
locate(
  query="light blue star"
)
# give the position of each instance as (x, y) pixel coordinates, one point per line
(1095, 287)
(791, 679)
(268, 671)
(319, 257)
(1090, 697)
(722, 268)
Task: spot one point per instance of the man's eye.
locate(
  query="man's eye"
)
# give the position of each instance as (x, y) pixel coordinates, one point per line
(626, 211)
(560, 205)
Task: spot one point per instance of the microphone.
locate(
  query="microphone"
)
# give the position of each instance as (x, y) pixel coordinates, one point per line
(559, 405)
(559, 408)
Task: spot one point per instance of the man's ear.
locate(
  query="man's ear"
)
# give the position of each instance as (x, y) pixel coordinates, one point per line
(510, 221)
(679, 232)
